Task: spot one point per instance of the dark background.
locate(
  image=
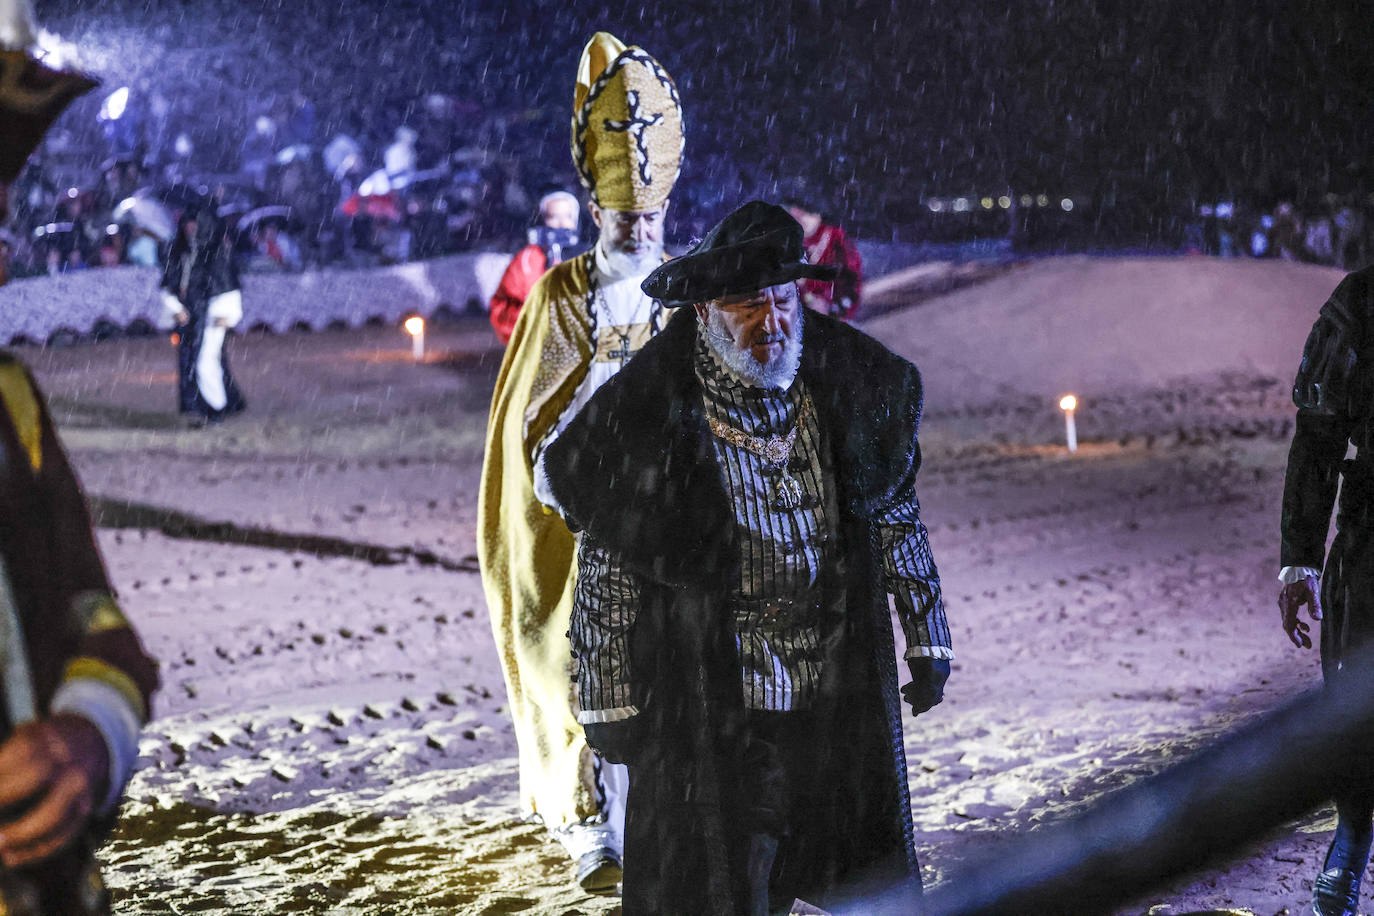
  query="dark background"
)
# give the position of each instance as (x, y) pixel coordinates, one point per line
(1141, 109)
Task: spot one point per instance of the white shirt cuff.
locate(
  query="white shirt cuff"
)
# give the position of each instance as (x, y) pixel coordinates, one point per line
(1290, 574)
(171, 307)
(941, 652)
(115, 718)
(618, 714)
(543, 490)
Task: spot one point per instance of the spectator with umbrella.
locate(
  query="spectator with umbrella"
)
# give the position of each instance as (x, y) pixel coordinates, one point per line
(147, 213)
(201, 293)
(257, 150)
(273, 247)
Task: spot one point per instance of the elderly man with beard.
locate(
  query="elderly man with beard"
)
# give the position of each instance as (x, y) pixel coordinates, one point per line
(745, 492)
(583, 321)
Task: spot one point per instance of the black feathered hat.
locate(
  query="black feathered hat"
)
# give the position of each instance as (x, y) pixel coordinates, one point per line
(32, 95)
(757, 246)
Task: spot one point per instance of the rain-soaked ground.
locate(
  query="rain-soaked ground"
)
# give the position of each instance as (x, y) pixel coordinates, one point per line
(330, 736)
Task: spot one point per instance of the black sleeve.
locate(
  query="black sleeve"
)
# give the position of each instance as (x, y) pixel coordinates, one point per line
(170, 269)
(1329, 399)
(1309, 487)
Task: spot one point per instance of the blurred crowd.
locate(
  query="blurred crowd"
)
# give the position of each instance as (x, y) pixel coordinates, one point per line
(296, 194)
(410, 130)
(349, 137)
(1334, 230)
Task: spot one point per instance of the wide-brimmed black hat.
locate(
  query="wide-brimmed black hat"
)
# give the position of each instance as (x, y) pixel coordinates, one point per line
(757, 246)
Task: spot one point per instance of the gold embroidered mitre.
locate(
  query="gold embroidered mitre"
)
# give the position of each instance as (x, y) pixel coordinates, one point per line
(627, 126)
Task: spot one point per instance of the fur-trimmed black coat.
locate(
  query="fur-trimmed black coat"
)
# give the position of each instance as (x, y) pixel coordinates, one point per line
(1334, 394)
(637, 470)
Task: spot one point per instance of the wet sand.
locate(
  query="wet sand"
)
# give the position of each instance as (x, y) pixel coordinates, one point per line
(330, 735)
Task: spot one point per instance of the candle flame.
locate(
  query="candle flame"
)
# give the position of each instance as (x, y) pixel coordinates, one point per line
(415, 326)
(1068, 402)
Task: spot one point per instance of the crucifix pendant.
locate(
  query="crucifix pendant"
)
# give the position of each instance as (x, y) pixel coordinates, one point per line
(789, 492)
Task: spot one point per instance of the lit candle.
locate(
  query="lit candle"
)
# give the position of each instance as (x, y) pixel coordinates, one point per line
(1067, 404)
(416, 328)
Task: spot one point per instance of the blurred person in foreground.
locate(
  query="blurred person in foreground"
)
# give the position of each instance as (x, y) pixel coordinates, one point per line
(745, 493)
(582, 322)
(1334, 394)
(828, 246)
(201, 296)
(550, 243)
(75, 683)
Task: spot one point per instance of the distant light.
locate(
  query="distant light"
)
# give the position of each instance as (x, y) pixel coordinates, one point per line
(1267, 221)
(1066, 204)
(1004, 202)
(73, 193)
(1042, 200)
(1225, 210)
(1027, 200)
(1068, 402)
(935, 205)
(1205, 210)
(112, 109)
(961, 204)
(415, 326)
(112, 229)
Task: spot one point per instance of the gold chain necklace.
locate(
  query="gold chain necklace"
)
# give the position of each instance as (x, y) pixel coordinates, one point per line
(776, 450)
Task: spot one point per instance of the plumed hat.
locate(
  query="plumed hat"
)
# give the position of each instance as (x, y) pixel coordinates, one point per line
(627, 126)
(757, 246)
(32, 95)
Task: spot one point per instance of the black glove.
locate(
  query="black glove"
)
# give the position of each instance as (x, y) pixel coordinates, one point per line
(618, 742)
(927, 687)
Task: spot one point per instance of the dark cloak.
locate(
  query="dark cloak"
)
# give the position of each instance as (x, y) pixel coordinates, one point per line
(56, 576)
(212, 272)
(637, 470)
(1334, 393)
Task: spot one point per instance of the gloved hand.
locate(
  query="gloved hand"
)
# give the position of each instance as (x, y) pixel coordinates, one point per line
(618, 742)
(1291, 599)
(927, 687)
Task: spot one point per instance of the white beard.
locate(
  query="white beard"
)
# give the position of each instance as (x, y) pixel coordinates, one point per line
(618, 264)
(779, 373)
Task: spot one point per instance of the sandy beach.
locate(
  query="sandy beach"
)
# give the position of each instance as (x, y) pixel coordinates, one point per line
(330, 735)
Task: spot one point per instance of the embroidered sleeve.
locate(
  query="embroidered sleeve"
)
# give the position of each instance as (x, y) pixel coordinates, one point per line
(910, 574)
(565, 350)
(605, 602)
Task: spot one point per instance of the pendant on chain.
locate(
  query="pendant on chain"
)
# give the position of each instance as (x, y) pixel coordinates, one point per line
(789, 492)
